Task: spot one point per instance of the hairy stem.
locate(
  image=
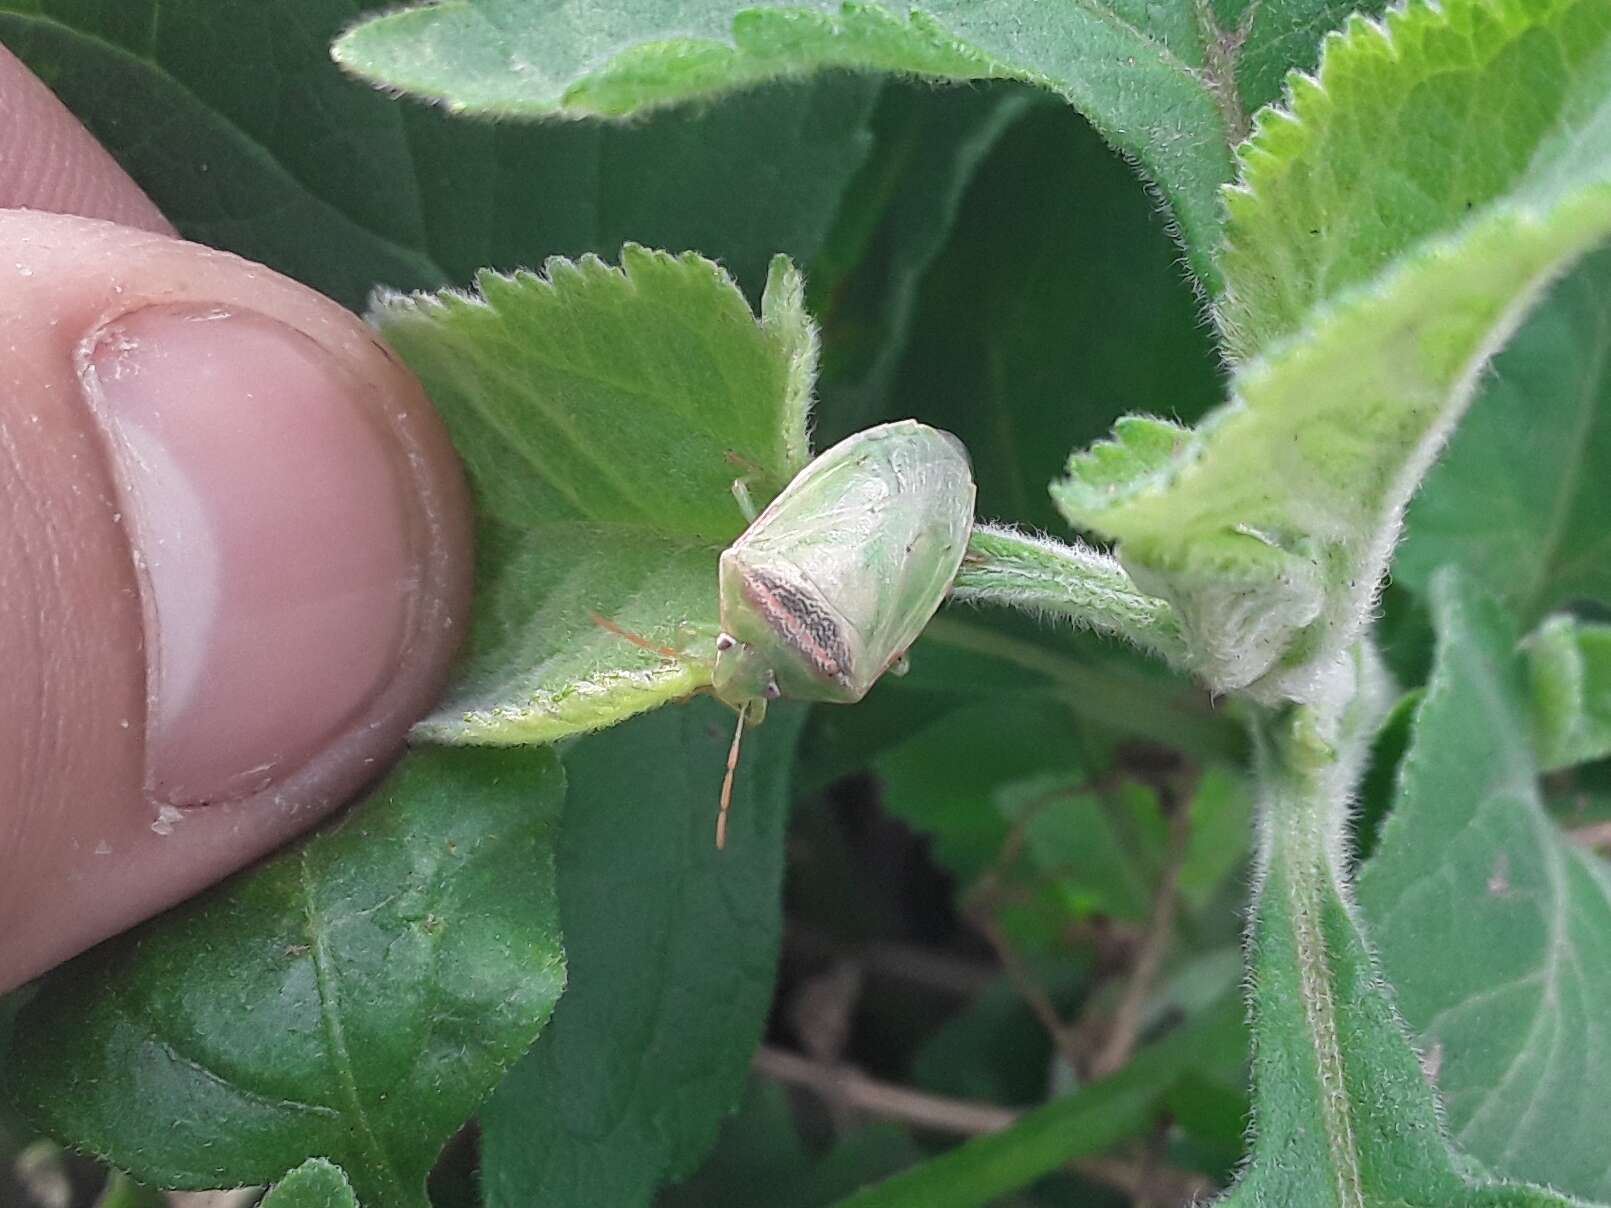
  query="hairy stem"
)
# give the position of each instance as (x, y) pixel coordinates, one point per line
(1068, 582)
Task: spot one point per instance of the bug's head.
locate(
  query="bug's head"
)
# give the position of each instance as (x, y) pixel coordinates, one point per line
(743, 676)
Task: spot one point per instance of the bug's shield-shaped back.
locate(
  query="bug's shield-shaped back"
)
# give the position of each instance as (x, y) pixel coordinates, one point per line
(839, 575)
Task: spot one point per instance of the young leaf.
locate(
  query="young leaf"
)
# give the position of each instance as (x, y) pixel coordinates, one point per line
(1159, 81)
(1343, 1112)
(1494, 928)
(1569, 671)
(1519, 499)
(672, 947)
(317, 1183)
(1369, 280)
(604, 415)
(353, 998)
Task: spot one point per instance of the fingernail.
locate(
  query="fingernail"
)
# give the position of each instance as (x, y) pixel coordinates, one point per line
(269, 514)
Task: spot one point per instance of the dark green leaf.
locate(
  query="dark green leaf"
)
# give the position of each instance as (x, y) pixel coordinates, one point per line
(230, 114)
(895, 218)
(1172, 105)
(1057, 305)
(760, 1147)
(354, 998)
(942, 778)
(1494, 928)
(316, 1183)
(672, 947)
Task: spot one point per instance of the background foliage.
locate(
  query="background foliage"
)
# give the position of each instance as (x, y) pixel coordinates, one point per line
(986, 925)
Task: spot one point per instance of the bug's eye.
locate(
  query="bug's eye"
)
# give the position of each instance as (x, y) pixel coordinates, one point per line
(772, 690)
(725, 641)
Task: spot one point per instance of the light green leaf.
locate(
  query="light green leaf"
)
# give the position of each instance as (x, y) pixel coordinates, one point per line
(354, 998)
(603, 415)
(1344, 1115)
(1159, 81)
(1519, 501)
(317, 1183)
(1369, 280)
(1494, 928)
(672, 948)
(1569, 671)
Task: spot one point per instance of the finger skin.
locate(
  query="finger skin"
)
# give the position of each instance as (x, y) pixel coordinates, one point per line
(83, 852)
(48, 161)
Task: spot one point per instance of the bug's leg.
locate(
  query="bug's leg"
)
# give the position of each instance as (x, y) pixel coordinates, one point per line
(741, 492)
(643, 643)
(727, 780)
(741, 486)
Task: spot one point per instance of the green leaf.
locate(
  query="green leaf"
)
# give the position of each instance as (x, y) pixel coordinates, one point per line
(941, 779)
(1518, 501)
(603, 415)
(123, 1192)
(894, 219)
(1369, 280)
(1569, 671)
(1495, 929)
(268, 150)
(354, 998)
(501, 57)
(672, 948)
(1159, 81)
(1023, 344)
(1084, 1122)
(1100, 852)
(761, 1147)
(1343, 1111)
(317, 1183)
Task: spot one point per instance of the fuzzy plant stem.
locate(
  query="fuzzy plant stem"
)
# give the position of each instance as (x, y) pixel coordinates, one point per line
(1068, 582)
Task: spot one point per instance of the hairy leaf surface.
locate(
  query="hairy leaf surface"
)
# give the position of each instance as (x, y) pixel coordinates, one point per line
(1344, 1114)
(1493, 927)
(1369, 279)
(317, 1183)
(603, 415)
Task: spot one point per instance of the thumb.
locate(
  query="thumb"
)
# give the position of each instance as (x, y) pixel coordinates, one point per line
(234, 562)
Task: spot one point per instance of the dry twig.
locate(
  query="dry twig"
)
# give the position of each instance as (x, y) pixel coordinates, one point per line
(847, 1086)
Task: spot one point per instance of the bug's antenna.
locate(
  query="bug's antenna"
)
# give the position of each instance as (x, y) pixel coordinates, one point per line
(727, 781)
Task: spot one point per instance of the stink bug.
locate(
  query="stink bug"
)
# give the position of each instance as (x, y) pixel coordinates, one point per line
(826, 589)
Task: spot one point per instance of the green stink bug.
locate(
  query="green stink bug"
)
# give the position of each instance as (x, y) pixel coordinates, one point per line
(829, 585)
